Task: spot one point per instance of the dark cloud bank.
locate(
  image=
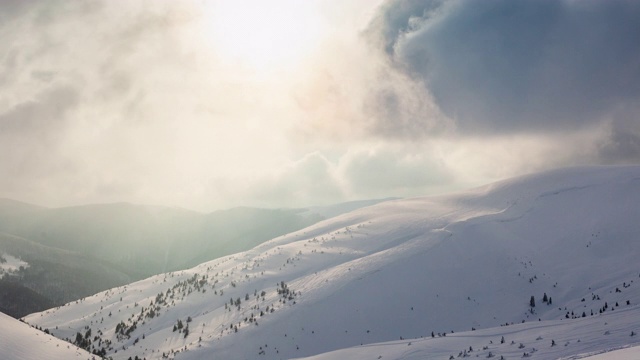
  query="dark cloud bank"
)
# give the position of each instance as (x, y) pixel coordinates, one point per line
(510, 67)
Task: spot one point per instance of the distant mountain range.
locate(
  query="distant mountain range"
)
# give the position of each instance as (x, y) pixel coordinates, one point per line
(73, 252)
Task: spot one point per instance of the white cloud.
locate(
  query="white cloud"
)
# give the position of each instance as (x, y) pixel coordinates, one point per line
(393, 171)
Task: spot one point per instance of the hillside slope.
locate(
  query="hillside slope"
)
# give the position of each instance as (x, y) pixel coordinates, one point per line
(50, 276)
(399, 270)
(77, 251)
(147, 240)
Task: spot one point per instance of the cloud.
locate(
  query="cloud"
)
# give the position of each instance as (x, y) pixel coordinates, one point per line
(620, 140)
(399, 109)
(138, 101)
(42, 116)
(366, 172)
(310, 180)
(392, 171)
(500, 66)
(84, 115)
(352, 94)
(12, 9)
(30, 132)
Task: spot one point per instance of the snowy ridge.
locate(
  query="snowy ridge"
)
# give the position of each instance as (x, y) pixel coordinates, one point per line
(401, 269)
(19, 341)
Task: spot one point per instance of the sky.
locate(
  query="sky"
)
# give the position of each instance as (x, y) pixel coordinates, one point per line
(214, 104)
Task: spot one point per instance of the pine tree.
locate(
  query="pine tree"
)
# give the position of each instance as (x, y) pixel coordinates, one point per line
(532, 301)
(545, 298)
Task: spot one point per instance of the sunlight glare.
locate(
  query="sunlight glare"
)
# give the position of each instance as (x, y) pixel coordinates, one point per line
(263, 34)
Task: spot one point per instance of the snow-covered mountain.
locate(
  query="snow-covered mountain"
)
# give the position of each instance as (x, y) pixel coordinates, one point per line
(72, 252)
(566, 240)
(19, 341)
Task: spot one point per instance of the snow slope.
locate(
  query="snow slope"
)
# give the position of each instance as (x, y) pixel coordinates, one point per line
(602, 337)
(632, 353)
(401, 269)
(19, 341)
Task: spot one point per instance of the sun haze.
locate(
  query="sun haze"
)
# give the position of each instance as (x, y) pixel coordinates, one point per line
(263, 34)
(290, 103)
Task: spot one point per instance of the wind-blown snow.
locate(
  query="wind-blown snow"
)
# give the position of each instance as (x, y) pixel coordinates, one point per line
(19, 341)
(401, 269)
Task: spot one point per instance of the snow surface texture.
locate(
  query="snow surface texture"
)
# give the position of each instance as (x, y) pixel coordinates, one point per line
(10, 264)
(19, 341)
(400, 271)
(632, 353)
(601, 337)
